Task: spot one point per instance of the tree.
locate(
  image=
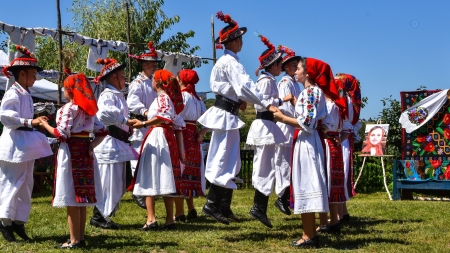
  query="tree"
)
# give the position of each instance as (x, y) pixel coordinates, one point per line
(107, 19)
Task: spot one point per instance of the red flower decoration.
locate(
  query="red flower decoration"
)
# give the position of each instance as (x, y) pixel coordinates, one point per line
(435, 163)
(447, 133)
(408, 164)
(421, 138)
(447, 173)
(446, 119)
(429, 147)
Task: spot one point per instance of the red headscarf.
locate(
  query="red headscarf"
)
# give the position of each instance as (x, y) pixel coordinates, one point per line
(320, 72)
(350, 85)
(170, 85)
(189, 78)
(83, 96)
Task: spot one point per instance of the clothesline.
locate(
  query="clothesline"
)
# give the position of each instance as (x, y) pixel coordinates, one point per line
(98, 48)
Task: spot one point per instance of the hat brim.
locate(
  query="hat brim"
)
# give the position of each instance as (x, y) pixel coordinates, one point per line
(122, 66)
(142, 60)
(243, 30)
(298, 58)
(11, 68)
(274, 59)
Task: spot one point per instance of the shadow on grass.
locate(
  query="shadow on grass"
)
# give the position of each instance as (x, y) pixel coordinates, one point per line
(108, 241)
(356, 244)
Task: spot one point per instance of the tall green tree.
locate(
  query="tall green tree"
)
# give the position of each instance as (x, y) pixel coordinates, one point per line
(107, 19)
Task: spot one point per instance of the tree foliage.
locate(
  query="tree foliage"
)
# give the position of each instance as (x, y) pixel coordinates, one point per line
(107, 19)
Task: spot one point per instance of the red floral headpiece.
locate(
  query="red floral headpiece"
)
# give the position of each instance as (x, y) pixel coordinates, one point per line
(27, 59)
(83, 96)
(349, 85)
(150, 56)
(111, 65)
(230, 34)
(189, 77)
(170, 85)
(268, 58)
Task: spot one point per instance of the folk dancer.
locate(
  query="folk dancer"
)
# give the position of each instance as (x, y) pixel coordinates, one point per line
(75, 182)
(113, 152)
(264, 134)
(21, 145)
(232, 87)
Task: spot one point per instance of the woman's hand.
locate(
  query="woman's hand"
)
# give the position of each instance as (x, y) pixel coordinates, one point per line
(288, 97)
(278, 116)
(182, 158)
(243, 106)
(37, 121)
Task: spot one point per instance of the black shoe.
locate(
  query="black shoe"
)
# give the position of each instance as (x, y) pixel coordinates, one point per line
(168, 227)
(215, 214)
(336, 228)
(261, 216)
(82, 242)
(345, 218)
(192, 215)
(71, 246)
(150, 227)
(282, 207)
(181, 218)
(105, 224)
(20, 231)
(311, 243)
(323, 229)
(8, 232)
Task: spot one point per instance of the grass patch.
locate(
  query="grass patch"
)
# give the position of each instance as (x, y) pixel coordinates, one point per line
(377, 225)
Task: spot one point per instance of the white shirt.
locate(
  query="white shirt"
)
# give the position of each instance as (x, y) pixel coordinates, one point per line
(112, 108)
(193, 108)
(267, 87)
(310, 108)
(229, 79)
(140, 97)
(286, 86)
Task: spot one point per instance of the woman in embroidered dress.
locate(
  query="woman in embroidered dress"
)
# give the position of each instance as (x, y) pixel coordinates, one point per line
(308, 173)
(74, 172)
(351, 125)
(332, 126)
(158, 171)
(193, 175)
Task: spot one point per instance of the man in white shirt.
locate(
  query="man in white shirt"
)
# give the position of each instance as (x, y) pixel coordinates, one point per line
(232, 87)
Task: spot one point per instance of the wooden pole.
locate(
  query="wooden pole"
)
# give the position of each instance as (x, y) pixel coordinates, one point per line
(213, 40)
(128, 41)
(60, 47)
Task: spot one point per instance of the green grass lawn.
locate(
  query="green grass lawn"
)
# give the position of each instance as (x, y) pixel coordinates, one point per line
(377, 225)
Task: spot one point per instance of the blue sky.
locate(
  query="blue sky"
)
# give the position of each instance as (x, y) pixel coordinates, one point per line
(390, 46)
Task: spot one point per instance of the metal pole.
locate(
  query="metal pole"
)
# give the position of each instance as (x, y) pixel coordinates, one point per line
(128, 41)
(213, 40)
(61, 75)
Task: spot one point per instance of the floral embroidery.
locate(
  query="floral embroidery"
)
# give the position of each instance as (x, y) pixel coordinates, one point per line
(418, 115)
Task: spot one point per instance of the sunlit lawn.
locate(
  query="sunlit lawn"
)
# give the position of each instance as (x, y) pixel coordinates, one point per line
(377, 225)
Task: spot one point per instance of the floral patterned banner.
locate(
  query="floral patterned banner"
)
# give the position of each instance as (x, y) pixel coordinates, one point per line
(425, 169)
(432, 140)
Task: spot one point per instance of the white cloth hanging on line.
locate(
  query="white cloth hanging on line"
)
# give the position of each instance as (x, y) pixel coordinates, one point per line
(419, 114)
(174, 61)
(98, 48)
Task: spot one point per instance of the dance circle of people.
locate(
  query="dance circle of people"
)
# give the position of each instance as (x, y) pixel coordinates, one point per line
(302, 141)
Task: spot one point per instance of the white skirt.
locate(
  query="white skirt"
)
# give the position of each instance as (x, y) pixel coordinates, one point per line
(264, 132)
(155, 174)
(64, 189)
(308, 175)
(346, 155)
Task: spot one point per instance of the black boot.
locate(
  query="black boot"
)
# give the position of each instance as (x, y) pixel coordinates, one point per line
(97, 219)
(225, 205)
(212, 206)
(282, 203)
(259, 209)
(8, 232)
(140, 201)
(19, 229)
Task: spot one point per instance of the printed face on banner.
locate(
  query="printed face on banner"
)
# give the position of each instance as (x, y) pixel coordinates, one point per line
(375, 139)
